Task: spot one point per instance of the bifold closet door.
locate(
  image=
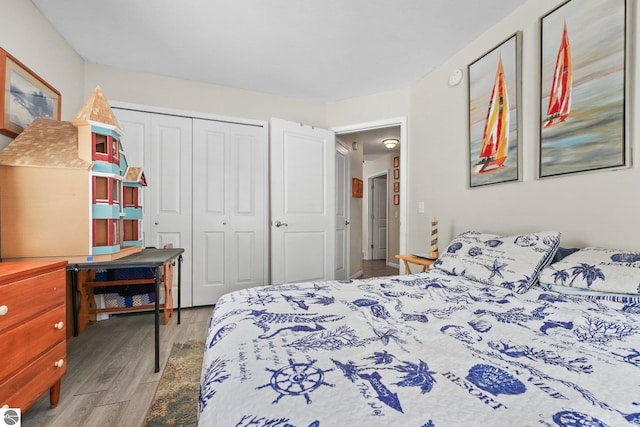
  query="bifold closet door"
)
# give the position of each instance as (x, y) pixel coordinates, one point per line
(229, 208)
(161, 145)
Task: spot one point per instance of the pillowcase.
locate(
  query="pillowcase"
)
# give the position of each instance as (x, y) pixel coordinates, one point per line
(513, 262)
(598, 269)
(590, 294)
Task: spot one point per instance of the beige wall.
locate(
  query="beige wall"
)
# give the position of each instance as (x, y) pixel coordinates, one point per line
(29, 37)
(599, 208)
(166, 92)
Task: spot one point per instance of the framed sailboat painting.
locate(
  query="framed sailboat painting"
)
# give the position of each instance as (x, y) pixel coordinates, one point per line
(582, 88)
(494, 114)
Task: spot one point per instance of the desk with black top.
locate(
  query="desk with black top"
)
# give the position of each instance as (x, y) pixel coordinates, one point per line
(147, 258)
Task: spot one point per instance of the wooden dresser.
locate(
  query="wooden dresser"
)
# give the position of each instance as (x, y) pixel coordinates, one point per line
(32, 332)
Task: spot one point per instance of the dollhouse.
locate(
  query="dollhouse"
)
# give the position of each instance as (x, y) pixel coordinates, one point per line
(68, 192)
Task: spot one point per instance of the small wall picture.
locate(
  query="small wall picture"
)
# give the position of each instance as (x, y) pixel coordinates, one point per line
(396, 162)
(396, 199)
(24, 96)
(396, 174)
(357, 188)
(396, 187)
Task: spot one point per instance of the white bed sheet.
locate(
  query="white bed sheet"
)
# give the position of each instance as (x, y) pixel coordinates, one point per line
(424, 350)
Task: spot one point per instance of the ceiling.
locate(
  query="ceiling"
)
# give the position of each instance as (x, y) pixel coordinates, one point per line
(317, 50)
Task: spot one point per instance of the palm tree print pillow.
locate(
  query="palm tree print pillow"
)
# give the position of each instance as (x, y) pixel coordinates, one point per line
(596, 269)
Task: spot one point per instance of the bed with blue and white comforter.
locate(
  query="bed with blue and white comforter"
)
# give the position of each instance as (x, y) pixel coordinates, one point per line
(424, 350)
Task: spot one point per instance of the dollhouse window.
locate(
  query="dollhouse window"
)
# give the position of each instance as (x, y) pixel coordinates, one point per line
(115, 228)
(130, 230)
(116, 191)
(100, 144)
(130, 197)
(106, 148)
(115, 147)
(106, 232)
(100, 189)
(100, 232)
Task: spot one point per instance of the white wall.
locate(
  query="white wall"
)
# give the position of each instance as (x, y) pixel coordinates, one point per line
(159, 91)
(600, 208)
(29, 37)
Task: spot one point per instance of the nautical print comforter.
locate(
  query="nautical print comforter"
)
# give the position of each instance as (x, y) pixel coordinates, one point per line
(424, 350)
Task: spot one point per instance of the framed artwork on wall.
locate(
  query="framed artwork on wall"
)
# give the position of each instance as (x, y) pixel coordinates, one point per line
(25, 96)
(495, 114)
(396, 173)
(396, 187)
(357, 187)
(396, 162)
(583, 84)
(396, 199)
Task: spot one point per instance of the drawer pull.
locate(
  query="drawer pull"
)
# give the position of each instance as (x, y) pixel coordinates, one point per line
(58, 325)
(59, 363)
(3, 310)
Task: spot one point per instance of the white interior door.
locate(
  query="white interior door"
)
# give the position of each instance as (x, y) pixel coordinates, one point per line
(343, 196)
(161, 145)
(302, 203)
(379, 218)
(229, 208)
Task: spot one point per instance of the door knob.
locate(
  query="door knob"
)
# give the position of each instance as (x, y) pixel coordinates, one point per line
(346, 223)
(281, 224)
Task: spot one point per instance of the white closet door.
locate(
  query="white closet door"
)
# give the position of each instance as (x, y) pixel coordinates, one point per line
(229, 208)
(161, 144)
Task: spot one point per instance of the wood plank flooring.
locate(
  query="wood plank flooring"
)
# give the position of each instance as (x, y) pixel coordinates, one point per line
(377, 268)
(110, 379)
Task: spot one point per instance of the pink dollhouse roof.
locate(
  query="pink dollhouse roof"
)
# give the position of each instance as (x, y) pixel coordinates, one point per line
(97, 109)
(45, 142)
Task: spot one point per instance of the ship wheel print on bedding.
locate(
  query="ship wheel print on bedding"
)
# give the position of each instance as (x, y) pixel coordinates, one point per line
(296, 379)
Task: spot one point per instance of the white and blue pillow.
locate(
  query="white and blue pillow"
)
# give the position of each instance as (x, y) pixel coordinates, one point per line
(596, 269)
(513, 262)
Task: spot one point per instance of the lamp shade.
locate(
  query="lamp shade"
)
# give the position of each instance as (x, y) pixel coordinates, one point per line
(390, 143)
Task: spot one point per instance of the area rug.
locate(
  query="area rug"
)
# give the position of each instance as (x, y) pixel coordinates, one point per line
(176, 399)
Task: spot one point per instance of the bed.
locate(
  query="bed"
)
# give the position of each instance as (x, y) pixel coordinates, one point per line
(500, 332)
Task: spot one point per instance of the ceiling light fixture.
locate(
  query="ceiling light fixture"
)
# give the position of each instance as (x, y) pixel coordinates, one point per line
(390, 143)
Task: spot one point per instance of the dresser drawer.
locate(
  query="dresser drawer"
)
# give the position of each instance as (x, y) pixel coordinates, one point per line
(29, 297)
(27, 385)
(29, 340)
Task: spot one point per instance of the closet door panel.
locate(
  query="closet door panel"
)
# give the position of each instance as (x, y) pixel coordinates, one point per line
(211, 225)
(248, 217)
(161, 145)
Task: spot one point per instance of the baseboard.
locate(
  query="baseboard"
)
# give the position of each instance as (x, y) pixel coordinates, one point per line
(358, 274)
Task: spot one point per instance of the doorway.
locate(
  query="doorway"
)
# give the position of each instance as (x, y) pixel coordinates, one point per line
(364, 139)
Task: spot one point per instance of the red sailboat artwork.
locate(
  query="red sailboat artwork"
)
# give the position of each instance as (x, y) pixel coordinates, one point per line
(495, 136)
(560, 96)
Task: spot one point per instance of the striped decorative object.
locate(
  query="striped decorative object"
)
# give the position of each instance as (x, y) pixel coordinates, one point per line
(434, 238)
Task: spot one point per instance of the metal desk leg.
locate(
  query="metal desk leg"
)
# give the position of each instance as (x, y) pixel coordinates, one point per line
(157, 322)
(74, 299)
(179, 283)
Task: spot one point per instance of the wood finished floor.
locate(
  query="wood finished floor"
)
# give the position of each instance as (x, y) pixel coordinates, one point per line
(110, 379)
(376, 268)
